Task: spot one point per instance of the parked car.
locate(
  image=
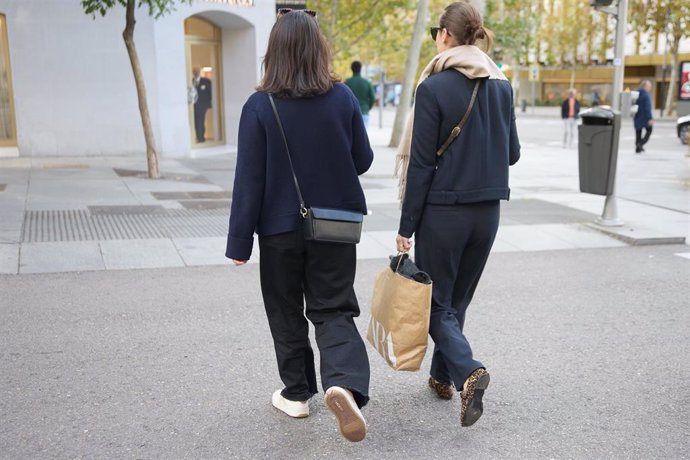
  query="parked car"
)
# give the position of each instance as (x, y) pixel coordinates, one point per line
(683, 128)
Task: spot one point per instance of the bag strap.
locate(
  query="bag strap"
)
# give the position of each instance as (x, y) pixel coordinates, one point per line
(456, 131)
(302, 206)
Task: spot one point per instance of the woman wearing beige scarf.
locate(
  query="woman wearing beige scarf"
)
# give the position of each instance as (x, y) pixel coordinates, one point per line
(451, 189)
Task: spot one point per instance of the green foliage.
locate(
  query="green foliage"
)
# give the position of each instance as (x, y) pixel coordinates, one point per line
(375, 32)
(156, 8)
(514, 23)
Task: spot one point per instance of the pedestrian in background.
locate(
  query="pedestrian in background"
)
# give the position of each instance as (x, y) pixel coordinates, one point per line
(362, 89)
(203, 100)
(643, 116)
(329, 148)
(570, 110)
(451, 202)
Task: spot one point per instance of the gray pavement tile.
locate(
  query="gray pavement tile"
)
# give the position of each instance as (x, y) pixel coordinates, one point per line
(162, 185)
(534, 211)
(531, 238)
(62, 194)
(205, 204)
(203, 251)
(215, 195)
(370, 247)
(9, 258)
(119, 210)
(581, 236)
(501, 245)
(129, 254)
(11, 235)
(639, 234)
(60, 257)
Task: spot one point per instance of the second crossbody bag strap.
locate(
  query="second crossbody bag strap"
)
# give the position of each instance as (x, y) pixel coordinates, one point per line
(458, 129)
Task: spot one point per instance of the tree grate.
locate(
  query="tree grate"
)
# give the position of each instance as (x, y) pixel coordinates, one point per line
(81, 225)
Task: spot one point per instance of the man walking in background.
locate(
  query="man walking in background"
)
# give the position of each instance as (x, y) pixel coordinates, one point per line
(570, 110)
(202, 102)
(643, 116)
(363, 90)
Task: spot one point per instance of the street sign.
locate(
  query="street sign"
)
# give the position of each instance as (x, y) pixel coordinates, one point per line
(534, 72)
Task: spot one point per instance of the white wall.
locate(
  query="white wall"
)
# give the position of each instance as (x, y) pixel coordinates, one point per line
(73, 86)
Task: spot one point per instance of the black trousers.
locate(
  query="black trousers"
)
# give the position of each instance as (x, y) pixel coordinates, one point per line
(641, 140)
(200, 121)
(453, 245)
(322, 274)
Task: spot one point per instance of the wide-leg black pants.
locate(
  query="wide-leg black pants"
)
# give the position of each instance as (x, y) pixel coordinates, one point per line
(452, 245)
(641, 140)
(322, 274)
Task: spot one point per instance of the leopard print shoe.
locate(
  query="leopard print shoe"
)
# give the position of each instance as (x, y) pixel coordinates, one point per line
(443, 390)
(472, 394)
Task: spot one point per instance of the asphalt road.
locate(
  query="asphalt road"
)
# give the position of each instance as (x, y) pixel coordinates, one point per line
(588, 352)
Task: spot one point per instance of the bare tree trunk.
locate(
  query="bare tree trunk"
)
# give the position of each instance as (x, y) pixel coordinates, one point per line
(605, 39)
(515, 82)
(334, 14)
(128, 36)
(411, 65)
(671, 93)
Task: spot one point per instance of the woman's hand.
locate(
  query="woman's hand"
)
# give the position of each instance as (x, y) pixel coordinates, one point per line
(238, 262)
(403, 244)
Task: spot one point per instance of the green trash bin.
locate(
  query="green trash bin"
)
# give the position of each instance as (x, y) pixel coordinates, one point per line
(598, 137)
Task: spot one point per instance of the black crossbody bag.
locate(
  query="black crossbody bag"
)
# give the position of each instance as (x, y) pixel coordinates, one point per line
(323, 224)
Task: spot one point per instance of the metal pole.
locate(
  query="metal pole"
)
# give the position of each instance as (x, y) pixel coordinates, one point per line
(663, 90)
(383, 92)
(533, 98)
(609, 216)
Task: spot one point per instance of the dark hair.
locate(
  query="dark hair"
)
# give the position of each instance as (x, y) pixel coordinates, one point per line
(356, 67)
(297, 61)
(464, 23)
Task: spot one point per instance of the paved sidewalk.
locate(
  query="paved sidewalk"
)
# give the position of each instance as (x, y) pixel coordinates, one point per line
(77, 214)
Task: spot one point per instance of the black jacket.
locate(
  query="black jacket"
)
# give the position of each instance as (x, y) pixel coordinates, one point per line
(329, 147)
(475, 166)
(565, 109)
(203, 90)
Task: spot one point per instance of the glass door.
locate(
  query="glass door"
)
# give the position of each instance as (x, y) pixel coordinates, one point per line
(204, 87)
(8, 132)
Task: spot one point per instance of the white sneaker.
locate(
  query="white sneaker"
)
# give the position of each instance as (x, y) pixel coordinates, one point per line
(350, 420)
(296, 409)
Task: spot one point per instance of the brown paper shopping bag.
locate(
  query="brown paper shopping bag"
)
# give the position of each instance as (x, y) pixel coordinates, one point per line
(399, 323)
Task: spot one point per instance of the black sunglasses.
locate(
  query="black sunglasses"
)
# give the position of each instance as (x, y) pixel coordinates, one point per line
(434, 32)
(283, 11)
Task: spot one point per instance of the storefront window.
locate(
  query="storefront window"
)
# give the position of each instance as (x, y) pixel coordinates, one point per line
(7, 128)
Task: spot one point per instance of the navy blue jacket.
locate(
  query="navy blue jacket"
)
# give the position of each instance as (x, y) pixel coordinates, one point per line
(329, 148)
(565, 108)
(644, 110)
(475, 166)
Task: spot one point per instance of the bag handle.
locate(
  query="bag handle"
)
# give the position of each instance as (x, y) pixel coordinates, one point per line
(302, 207)
(456, 131)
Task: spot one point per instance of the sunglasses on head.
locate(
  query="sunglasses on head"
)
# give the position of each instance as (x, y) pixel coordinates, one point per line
(283, 11)
(434, 32)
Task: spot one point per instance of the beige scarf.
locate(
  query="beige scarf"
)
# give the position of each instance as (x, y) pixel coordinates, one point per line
(470, 61)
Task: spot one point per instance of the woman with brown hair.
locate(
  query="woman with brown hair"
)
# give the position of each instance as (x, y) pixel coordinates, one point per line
(454, 161)
(329, 148)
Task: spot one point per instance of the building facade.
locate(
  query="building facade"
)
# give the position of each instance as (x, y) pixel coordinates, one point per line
(67, 87)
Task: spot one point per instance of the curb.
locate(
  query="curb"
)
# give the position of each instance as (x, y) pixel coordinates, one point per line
(638, 235)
